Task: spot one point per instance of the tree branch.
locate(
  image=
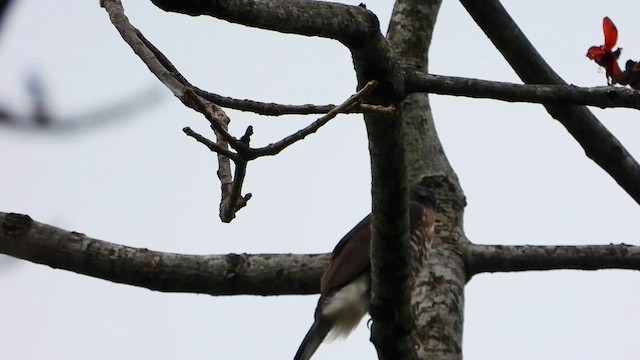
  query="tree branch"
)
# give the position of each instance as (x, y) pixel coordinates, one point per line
(161, 67)
(601, 96)
(231, 274)
(598, 143)
(215, 147)
(273, 109)
(499, 258)
(275, 148)
(345, 23)
(232, 200)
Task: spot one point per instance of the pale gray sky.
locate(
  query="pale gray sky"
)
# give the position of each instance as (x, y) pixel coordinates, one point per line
(143, 183)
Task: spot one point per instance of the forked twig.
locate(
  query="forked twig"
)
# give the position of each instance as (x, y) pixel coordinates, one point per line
(232, 200)
(205, 103)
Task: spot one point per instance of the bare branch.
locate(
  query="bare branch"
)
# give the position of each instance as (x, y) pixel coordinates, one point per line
(230, 188)
(601, 96)
(215, 147)
(232, 201)
(273, 109)
(216, 117)
(247, 153)
(499, 258)
(162, 68)
(346, 23)
(277, 147)
(598, 143)
(230, 274)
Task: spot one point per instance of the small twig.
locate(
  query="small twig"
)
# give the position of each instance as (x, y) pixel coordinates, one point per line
(231, 187)
(242, 145)
(275, 148)
(210, 144)
(213, 116)
(234, 201)
(246, 138)
(224, 169)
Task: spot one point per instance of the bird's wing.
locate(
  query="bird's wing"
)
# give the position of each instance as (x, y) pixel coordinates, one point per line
(350, 258)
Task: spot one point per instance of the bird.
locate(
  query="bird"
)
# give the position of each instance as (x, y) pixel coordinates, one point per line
(346, 283)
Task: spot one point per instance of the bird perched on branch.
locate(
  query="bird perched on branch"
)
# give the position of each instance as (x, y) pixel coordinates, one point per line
(346, 283)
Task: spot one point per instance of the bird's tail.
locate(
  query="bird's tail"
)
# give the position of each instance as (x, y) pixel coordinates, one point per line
(316, 334)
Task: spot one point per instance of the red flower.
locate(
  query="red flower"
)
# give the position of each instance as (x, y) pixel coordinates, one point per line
(604, 55)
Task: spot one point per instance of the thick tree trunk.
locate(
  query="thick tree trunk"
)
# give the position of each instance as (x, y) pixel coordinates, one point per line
(437, 296)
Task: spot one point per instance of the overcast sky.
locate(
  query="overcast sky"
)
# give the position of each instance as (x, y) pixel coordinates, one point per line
(143, 183)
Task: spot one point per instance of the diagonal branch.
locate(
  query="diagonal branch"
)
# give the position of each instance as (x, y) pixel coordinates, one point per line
(157, 63)
(601, 96)
(275, 148)
(230, 274)
(246, 153)
(499, 258)
(164, 70)
(598, 143)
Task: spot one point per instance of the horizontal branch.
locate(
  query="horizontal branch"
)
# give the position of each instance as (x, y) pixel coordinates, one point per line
(499, 258)
(231, 274)
(258, 274)
(601, 96)
(345, 23)
(274, 109)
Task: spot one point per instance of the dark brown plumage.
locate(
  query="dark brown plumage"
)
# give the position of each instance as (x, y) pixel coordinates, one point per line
(631, 75)
(345, 284)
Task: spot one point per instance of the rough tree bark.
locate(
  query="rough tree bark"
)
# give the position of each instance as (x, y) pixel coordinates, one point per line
(437, 284)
